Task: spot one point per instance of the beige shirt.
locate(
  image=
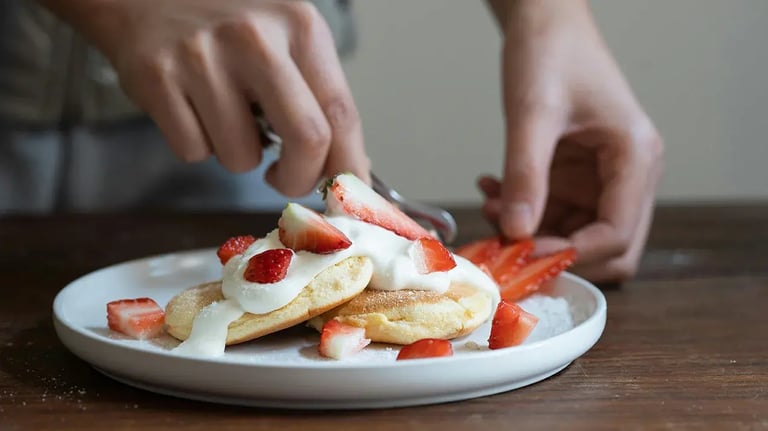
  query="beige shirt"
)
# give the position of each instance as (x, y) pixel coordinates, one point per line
(49, 75)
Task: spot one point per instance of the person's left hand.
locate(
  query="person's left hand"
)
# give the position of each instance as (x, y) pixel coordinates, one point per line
(582, 158)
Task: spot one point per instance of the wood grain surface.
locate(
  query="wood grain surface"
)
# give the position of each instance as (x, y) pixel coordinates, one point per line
(685, 346)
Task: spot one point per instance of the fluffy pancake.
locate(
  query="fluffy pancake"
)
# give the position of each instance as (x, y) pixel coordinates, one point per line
(332, 287)
(405, 316)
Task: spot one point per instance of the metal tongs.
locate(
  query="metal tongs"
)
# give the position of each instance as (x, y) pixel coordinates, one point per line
(434, 219)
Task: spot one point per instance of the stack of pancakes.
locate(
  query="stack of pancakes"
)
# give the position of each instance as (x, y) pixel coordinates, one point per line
(339, 292)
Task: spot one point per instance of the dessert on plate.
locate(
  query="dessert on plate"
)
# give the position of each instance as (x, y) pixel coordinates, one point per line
(362, 272)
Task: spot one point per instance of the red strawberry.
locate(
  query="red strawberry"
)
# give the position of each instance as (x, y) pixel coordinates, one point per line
(234, 246)
(426, 348)
(268, 266)
(345, 193)
(535, 273)
(511, 325)
(510, 260)
(339, 341)
(482, 251)
(430, 255)
(139, 318)
(304, 229)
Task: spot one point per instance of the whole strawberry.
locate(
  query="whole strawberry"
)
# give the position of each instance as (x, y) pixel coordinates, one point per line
(269, 266)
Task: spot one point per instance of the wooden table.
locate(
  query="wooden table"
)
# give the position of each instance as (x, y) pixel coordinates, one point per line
(685, 347)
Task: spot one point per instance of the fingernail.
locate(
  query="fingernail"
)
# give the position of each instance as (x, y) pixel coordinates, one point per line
(519, 219)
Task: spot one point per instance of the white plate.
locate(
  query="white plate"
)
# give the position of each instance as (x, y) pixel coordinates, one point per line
(284, 370)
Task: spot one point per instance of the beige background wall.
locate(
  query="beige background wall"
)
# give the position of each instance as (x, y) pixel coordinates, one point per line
(425, 78)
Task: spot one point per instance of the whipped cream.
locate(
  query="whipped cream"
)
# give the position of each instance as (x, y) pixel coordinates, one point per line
(393, 269)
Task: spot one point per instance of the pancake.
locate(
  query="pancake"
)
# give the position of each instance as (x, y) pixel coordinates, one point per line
(406, 316)
(330, 288)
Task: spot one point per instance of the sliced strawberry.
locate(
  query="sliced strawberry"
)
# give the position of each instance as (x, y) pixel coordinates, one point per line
(346, 194)
(511, 325)
(426, 348)
(139, 318)
(303, 229)
(483, 267)
(430, 255)
(339, 341)
(482, 251)
(535, 273)
(510, 260)
(234, 246)
(269, 266)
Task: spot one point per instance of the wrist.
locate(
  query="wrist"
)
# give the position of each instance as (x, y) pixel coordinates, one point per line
(513, 13)
(88, 17)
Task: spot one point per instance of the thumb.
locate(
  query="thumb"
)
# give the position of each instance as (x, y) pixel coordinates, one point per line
(530, 145)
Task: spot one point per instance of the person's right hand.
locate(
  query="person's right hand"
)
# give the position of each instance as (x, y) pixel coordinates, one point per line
(197, 66)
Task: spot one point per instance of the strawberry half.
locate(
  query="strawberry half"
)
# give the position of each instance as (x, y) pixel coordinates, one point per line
(535, 273)
(345, 193)
(234, 246)
(426, 348)
(140, 318)
(510, 260)
(429, 255)
(269, 266)
(301, 228)
(511, 325)
(482, 251)
(339, 341)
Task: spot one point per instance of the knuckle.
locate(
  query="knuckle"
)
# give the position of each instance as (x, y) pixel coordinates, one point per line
(154, 67)
(194, 52)
(304, 15)
(341, 114)
(246, 34)
(313, 136)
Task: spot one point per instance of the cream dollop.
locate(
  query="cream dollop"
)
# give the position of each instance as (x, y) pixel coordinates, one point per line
(393, 269)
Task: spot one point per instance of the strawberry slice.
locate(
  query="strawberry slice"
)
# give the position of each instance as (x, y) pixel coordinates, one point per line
(426, 348)
(346, 194)
(268, 266)
(482, 251)
(511, 325)
(140, 318)
(430, 255)
(534, 274)
(234, 246)
(510, 260)
(301, 228)
(339, 341)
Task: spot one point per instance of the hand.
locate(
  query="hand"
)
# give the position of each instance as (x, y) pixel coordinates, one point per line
(197, 66)
(582, 158)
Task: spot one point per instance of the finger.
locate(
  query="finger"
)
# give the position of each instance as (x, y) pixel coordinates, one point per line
(223, 110)
(545, 245)
(490, 186)
(623, 267)
(624, 179)
(530, 143)
(315, 55)
(162, 99)
(291, 108)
